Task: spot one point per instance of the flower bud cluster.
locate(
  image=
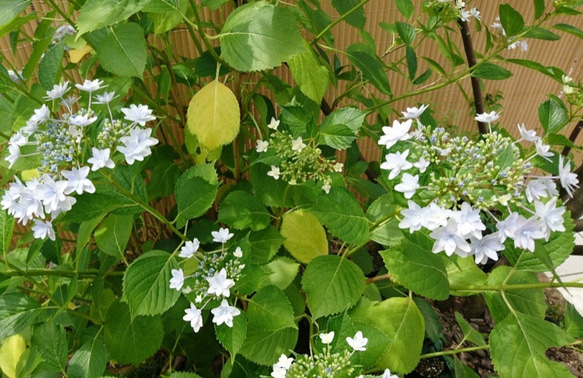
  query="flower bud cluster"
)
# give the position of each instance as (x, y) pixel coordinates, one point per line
(298, 161)
(470, 184)
(572, 91)
(324, 364)
(450, 10)
(61, 139)
(210, 284)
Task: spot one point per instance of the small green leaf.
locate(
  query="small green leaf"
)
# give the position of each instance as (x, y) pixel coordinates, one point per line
(242, 210)
(370, 65)
(357, 18)
(50, 342)
(194, 195)
(463, 371)
(332, 284)
(539, 8)
(406, 32)
(121, 49)
(470, 333)
(336, 136)
(570, 29)
(351, 117)
(166, 14)
(518, 344)
(543, 34)
(511, 20)
(6, 230)
(282, 271)
(259, 36)
(131, 340)
(305, 238)
(310, 75)
(90, 359)
(95, 14)
(411, 62)
(549, 71)
(573, 321)
(405, 7)
(113, 234)
(232, 338)
(10, 9)
(463, 272)
(490, 71)
(146, 284)
(552, 115)
(50, 66)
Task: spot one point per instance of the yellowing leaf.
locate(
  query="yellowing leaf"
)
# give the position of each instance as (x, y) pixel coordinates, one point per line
(11, 351)
(305, 237)
(29, 174)
(75, 55)
(213, 115)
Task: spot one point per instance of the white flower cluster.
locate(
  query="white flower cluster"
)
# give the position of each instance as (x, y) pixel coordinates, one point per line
(212, 282)
(63, 145)
(325, 364)
(297, 161)
(471, 184)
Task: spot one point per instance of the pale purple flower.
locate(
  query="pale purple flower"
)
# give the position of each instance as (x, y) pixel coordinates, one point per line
(399, 131)
(177, 279)
(52, 194)
(137, 144)
(77, 181)
(41, 115)
(435, 216)
(387, 374)
(475, 13)
(13, 154)
(396, 163)
(219, 284)
(194, 316)
(507, 228)
(449, 240)
(105, 98)
(139, 114)
(189, 248)
(358, 342)
(100, 159)
(569, 180)
(486, 247)
(82, 120)
(412, 217)
(527, 232)
(58, 91)
(90, 85)
(222, 235)
(43, 229)
(536, 189)
(528, 135)
(422, 164)
(408, 185)
(469, 222)
(224, 314)
(542, 150)
(551, 216)
(465, 15)
(414, 113)
(487, 117)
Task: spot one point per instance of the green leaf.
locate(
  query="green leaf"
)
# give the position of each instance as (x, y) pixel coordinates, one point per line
(350, 117)
(552, 116)
(121, 49)
(370, 65)
(406, 32)
(357, 18)
(341, 213)
(511, 20)
(50, 66)
(17, 311)
(463, 272)
(162, 180)
(463, 371)
(518, 344)
(549, 71)
(282, 271)
(166, 13)
(411, 62)
(490, 71)
(131, 340)
(95, 14)
(528, 301)
(264, 244)
(265, 346)
(569, 29)
(194, 195)
(269, 309)
(336, 136)
(470, 333)
(405, 7)
(573, 321)
(305, 238)
(6, 230)
(213, 115)
(543, 34)
(539, 8)
(89, 360)
(113, 234)
(297, 118)
(146, 287)
(259, 36)
(310, 75)
(332, 284)
(50, 342)
(242, 210)
(232, 338)
(10, 9)
(417, 268)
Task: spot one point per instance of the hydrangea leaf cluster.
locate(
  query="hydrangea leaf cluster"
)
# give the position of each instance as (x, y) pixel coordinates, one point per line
(211, 282)
(471, 196)
(61, 138)
(298, 160)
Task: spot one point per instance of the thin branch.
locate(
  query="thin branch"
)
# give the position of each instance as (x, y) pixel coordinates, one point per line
(573, 137)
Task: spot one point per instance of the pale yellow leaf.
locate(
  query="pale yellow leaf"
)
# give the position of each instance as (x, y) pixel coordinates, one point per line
(75, 55)
(305, 238)
(11, 351)
(213, 115)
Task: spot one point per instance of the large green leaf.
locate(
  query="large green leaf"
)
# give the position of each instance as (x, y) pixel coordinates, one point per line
(552, 115)
(10, 9)
(414, 266)
(195, 194)
(131, 340)
(336, 136)
(146, 284)
(332, 284)
(463, 272)
(113, 234)
(518, 345)
(265, 346)
(310, 75)
(121, 49)
(17, 311)
(348, 116)
(528, 301)
(264, 244)
(511, 20)
(370, 65)
(50, 66)
(242, 210)
(259, 36)
(89, 360)
(50, 342)
(270, 309)
(232, 338)
(356, 18)
(342, 214)
(95, 14)
(305, 237)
